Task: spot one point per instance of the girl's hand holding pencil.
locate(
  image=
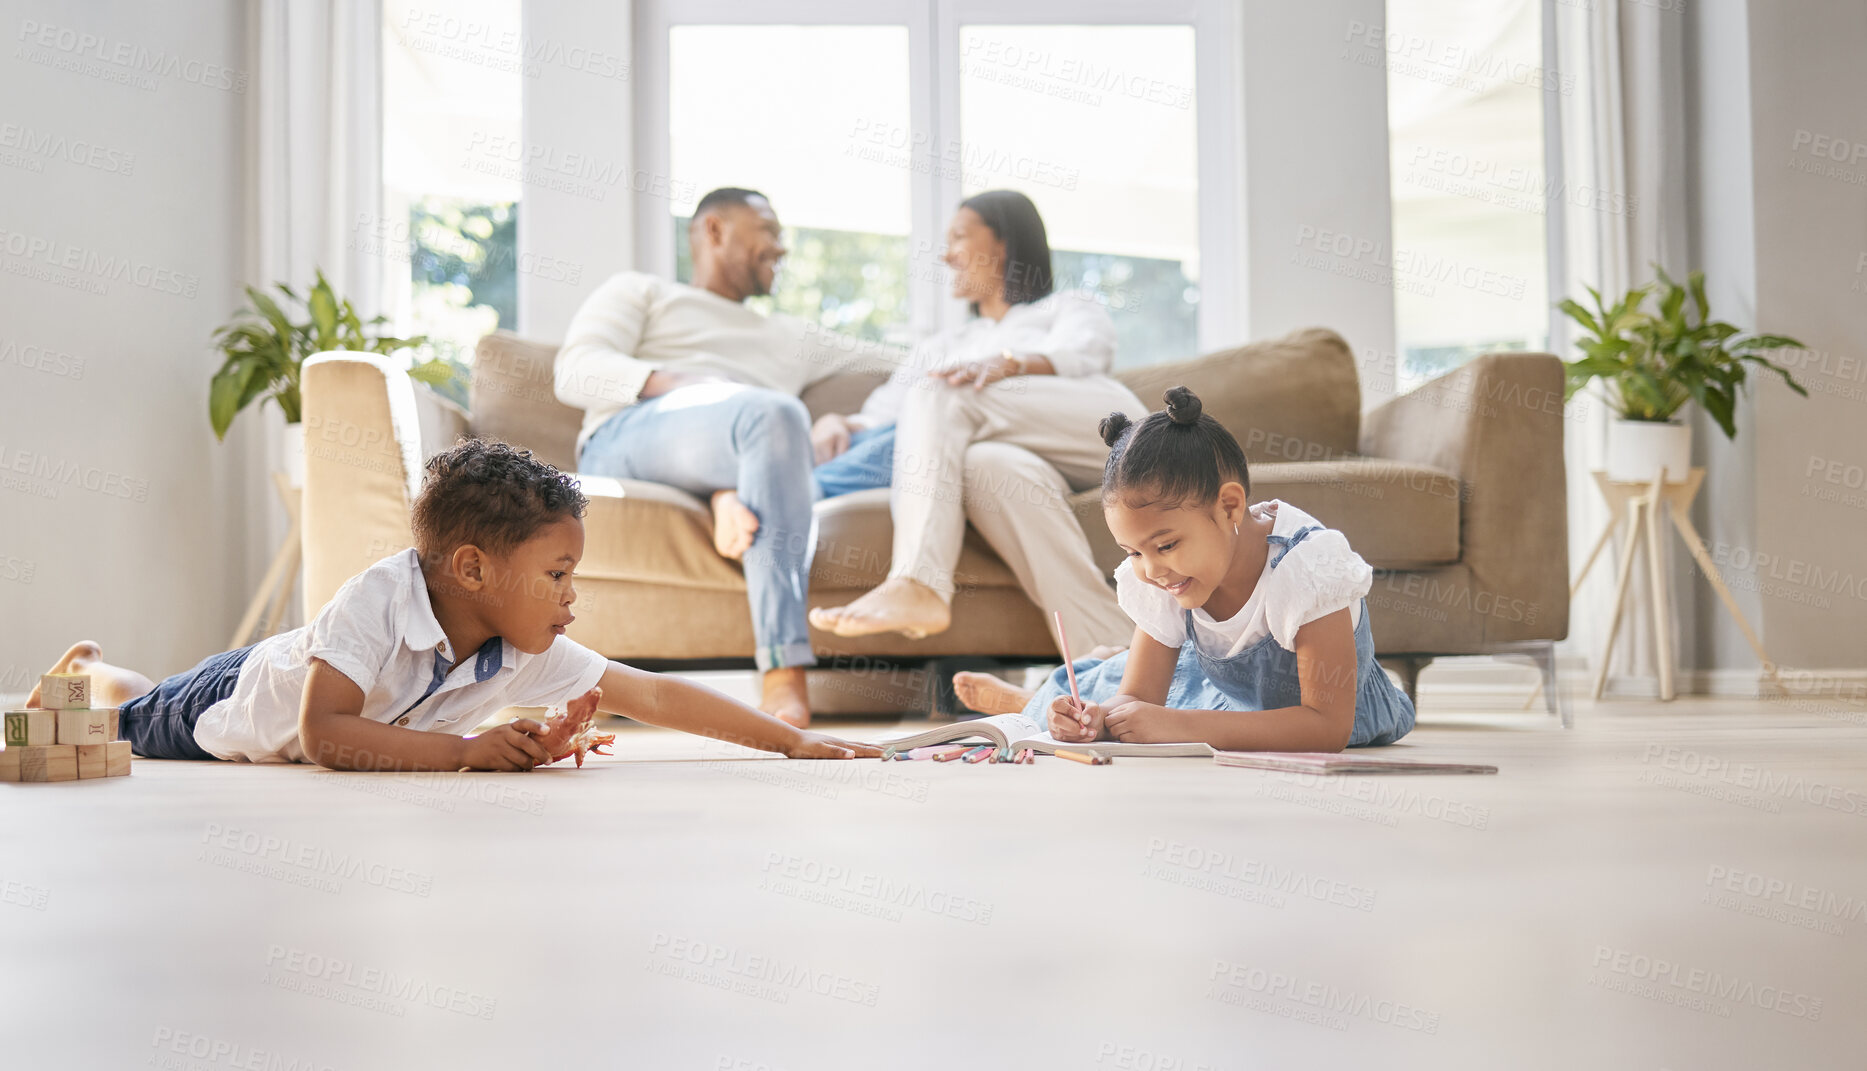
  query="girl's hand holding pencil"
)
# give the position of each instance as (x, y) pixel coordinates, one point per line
(1074, 721)
(1069, 714)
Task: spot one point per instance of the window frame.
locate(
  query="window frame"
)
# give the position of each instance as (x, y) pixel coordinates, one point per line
(933, 105)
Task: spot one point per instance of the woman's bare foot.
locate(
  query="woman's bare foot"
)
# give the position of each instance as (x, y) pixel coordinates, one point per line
(111, 686)
(786, 696)
(734, 525)
(988, 694)
(898, 605)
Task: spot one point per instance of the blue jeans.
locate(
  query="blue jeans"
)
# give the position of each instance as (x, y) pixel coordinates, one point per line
(710, 436)
(160, 724)
(868, 463)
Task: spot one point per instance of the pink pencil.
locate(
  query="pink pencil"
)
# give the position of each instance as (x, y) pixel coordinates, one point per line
(1069, 666)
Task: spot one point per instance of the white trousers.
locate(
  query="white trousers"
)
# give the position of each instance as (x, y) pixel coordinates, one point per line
(1007, 458)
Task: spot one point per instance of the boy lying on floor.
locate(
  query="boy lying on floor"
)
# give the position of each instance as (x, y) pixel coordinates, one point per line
(423, 646)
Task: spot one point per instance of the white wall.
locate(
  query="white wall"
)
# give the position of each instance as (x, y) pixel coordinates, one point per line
(573, 235)
(1780, 227)
(1808, 86)
(123, 519)
(1316, 178)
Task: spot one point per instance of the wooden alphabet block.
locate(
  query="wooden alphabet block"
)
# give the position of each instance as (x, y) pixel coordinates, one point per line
(65, 691)
(89, 725)
(9, 764)
(35, 727)
(92, 761)
(117, 758)
(54, 762)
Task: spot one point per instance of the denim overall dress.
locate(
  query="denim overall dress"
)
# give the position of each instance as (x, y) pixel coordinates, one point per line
(1263, 676)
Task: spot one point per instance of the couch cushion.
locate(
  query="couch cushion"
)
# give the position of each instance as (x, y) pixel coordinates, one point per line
(650, 533)
(855, 541)
(1295, 398)
(841, 393)
(1395, 514)
(512, 399)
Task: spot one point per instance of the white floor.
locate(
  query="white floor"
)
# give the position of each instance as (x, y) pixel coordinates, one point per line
(1677, 886)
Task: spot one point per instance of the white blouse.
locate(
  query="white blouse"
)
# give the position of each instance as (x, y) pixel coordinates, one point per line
(1319, 576)
(1069, 327)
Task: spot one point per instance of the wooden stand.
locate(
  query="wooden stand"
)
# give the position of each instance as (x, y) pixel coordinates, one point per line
(275, 591)
(1642, 503)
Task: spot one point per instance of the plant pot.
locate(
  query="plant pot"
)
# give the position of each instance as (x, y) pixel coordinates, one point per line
(292, 453)
(1639, 449)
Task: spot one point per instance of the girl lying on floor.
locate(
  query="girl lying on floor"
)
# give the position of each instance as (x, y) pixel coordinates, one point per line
(1251, 628)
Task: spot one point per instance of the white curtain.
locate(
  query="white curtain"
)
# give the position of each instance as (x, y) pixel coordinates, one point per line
(313, 170)
(1623, 146)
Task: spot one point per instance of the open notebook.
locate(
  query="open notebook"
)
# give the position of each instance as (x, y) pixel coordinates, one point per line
(1324, 762)
(1018, 732)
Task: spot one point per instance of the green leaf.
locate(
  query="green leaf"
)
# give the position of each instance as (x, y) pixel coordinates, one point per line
(435, 372)
(1579, 314)
(1723, 409)
(1696, 283)
(324, 316)
(224, 393)
(273, 314)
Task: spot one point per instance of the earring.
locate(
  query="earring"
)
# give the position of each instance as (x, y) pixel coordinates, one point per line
(1234, 529)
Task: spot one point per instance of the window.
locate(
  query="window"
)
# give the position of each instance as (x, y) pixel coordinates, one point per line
(1466, 88)
(1097, 125)
(809, 116)
(451, 171)
(868, 121)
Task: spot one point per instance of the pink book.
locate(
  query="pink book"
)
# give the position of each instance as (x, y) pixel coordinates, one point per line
(1347, 762)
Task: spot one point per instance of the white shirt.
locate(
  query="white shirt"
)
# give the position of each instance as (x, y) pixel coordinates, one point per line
(636, 323)
(380, 631)
(1069, 327)
(1319, 576)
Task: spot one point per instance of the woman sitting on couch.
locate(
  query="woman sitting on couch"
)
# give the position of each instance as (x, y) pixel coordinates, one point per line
(993, 419)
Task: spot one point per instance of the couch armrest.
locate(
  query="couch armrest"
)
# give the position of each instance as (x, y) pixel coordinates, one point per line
(1496, 424)
(364, 439)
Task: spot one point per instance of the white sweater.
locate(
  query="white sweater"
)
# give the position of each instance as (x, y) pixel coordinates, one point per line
(635, 323)
(1069, 327)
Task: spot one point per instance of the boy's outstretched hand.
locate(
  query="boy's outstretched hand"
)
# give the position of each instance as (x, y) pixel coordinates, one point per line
(818, 746)
(559, 734)
(1074, 722)
(511, 747)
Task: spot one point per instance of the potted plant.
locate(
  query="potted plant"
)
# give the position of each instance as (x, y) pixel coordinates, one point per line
(265, 348)
(1650, 365)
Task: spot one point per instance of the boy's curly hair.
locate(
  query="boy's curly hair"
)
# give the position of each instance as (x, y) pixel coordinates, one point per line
(491, 495)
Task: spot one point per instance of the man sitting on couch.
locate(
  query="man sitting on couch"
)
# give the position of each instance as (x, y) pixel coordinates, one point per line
(686, 386)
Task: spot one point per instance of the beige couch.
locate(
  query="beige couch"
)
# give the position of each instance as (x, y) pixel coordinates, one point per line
(1454, 493)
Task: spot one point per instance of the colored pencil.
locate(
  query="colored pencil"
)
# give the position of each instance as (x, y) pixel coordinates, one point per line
(1083, 757)
(1069, 666)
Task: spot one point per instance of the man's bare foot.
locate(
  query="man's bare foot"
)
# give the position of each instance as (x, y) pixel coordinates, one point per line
(733, 525)
(786, 696)
(111, 686)
(988, 694)
(898, 605)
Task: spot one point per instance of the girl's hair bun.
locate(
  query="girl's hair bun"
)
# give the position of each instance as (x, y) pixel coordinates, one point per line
(1183, 406)
(1112, 427)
